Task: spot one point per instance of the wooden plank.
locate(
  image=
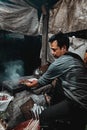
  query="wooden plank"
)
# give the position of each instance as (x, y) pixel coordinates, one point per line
(44, 35)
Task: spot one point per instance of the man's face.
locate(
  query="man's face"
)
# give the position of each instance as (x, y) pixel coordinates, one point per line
(85, 58)
(56, 50)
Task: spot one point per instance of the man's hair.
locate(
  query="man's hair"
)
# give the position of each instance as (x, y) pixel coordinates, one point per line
(62, 39)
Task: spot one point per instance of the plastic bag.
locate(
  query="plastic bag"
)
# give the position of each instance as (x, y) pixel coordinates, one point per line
(5, 99)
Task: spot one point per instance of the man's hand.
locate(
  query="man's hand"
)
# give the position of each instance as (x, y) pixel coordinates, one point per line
(29, 82)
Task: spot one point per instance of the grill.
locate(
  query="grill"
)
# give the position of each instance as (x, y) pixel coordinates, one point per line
(14, 86)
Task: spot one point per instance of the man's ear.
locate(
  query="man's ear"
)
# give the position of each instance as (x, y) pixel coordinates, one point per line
(64, 47)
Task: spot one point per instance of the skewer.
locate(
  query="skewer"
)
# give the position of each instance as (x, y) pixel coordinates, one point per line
(32, 125)
(28, 124)
(36, 125)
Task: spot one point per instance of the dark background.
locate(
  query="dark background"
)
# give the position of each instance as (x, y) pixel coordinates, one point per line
(15, 47)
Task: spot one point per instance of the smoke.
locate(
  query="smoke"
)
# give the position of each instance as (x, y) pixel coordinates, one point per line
(13, 70)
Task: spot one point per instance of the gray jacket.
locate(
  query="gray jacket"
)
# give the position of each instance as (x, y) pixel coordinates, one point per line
(70, 69)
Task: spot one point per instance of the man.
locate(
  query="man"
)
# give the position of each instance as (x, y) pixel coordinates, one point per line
(71, 74)
(85, 58)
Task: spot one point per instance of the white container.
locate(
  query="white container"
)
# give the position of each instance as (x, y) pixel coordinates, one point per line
(5, 99)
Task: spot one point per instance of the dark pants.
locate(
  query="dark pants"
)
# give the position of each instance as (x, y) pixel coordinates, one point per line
(65, 111)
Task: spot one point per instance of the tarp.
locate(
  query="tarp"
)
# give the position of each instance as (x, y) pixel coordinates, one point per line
(22, 15)
(68, 16)
(18, 16)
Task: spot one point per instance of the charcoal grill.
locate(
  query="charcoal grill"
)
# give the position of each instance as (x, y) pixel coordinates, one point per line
(14, 87)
